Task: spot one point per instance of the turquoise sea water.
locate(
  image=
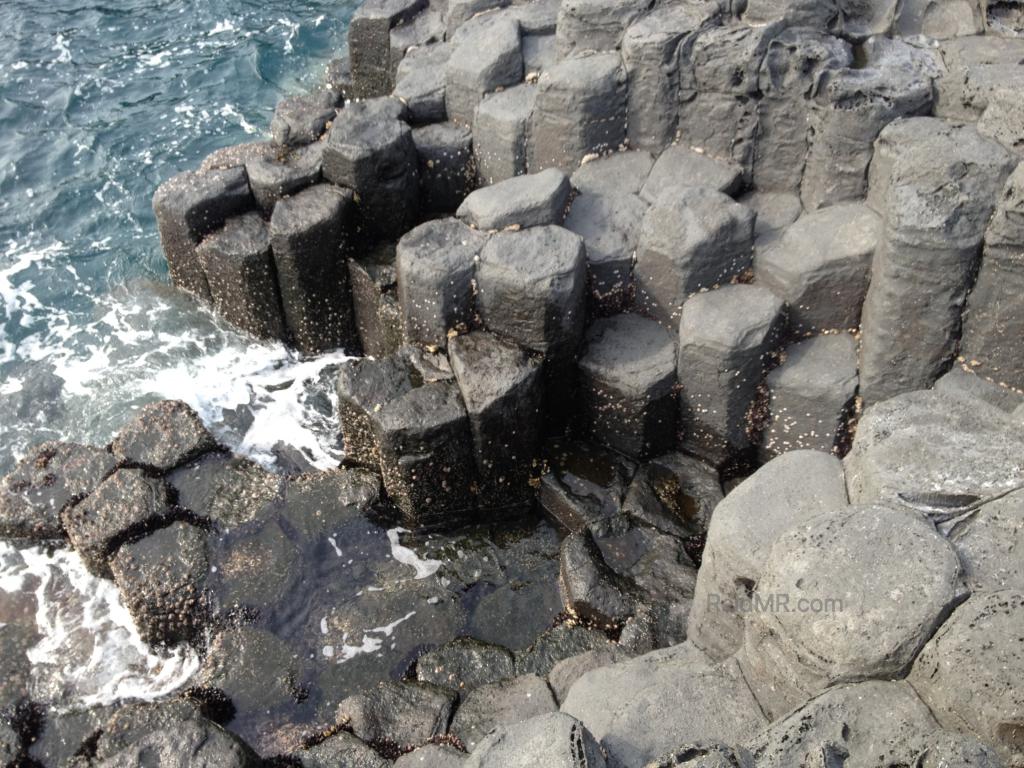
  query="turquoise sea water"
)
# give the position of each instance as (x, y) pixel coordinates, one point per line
(100, 102)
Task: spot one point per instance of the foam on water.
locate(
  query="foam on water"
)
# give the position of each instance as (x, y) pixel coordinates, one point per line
(89, 651)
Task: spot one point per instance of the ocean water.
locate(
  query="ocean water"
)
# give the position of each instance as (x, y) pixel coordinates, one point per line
(99, 103)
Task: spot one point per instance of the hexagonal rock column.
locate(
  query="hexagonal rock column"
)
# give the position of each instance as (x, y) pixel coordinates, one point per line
(939, 20)
(554, 739)
(850, 111)
(627, 385)
(680, 167)
(718, 89)
(369, 43)
(810, 626)
(272, 178)
(501, 386)
(580, 109)
(503, 702)
(941, 193)
(308, 233)
(375, 307)
(650, 49)
(994, 319)
(486, 55)
(303, 118)
(595, 25)
(500, 127)
(162, 436)
(531, 288)
(239, 269)
(365, 386)
(988, 543)
(190, 206)
(426, 455)
(674, 493)
(976, 67)
(584, 484)
(969, 672)
(785, 492)
(436, 263)
(524, 201)
(725, 337)
(810, 395)
(795, 65)
(446, 166)
(375, 157)
(419, 83)
(610, 227)
(690, 239)
(821, 266)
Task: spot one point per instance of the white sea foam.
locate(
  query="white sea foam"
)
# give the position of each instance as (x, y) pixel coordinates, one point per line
(371, 641)
(89, 651)
(424, 567)
(223, 27)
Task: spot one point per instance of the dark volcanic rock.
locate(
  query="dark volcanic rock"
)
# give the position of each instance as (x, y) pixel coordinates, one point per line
(590, 589)
(500, 128)
(583, 484)
(674, 493)
(126, 505)
(556, 644)
(309, 232)
(501, 386)
(50, 478)
(486, 55)
(378, 317)
(524, 201)
(168, 735)
(303, 118)
(369, 42)
(375, 156)
(447, 167)
(279, 176)
(419, 82)
(465, 663)
(364, 387)
(554, 740)
(426, 455)
(408, 714)
(228, 490)
(341, 749)
(190, 206)
(240, 272)
(161, 578)
(163, 436)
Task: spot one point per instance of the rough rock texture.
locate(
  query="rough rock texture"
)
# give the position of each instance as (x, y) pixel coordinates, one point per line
(620, 173)
(447, 170)
(524, 201)
(500, 127)
(977, 650)
(364, 387)
(465, 664)
(486, 55)
(407, 714)
(819, 629)
(679, 168)
(499, 704)
(51, 478)
(785, 492)
(553, 739)
(164, 435)
(675, 494)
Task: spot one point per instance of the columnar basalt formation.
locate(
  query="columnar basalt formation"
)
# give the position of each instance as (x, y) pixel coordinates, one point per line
(679, 276)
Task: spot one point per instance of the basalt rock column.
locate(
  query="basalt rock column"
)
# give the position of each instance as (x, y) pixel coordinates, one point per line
(308, 232)
(190, 206)
(239, 268)
(369, 42)
(372, 152)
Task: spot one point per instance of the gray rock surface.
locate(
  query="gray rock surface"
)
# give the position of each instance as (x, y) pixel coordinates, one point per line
(627, 385)
(500, 127)
(499, 704)
(566, 672)
(303, 118)
(486, 55)
(405, 713)
(690, 239)
(283, 174)
(436, 264)
(988, 542)
(553, 739)
(643, 708)
(968, 671)
(420, 83)
(811, 627)
(364, 387)
(163, 435)
(785, 492)
(620, 173)
(590, 589)
(341, 748)
(675, 494)
(583, 484)
(369, 43)
(810, 396)
(432, 756)
(375, 309)
(595, 25)
(821, 266)
(725, 337)
(524, 201)
(308, 232)
(580, 109)
(680, 167)
(962, 381)
(465, 663)
(376, 158)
